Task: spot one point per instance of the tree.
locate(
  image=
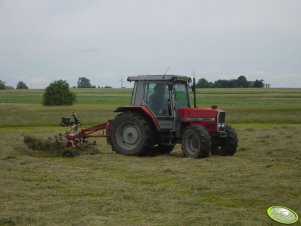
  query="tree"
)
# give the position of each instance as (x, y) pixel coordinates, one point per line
(83, 83)
(242, 81)
(258, 83)
(202, 83)
(58, 93)
(2, 84)
(22, 85)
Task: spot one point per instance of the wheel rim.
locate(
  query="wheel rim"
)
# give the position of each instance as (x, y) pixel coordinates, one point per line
(192, 144)
(128, 135)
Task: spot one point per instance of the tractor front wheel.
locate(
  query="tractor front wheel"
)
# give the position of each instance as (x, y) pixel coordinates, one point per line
(131, 134)
(226, 146)
(196, 142)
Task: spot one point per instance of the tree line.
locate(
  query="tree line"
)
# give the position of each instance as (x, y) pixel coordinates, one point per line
(85, 83)
(240, 82)
(20, 85)
(82, 82)
(58, 92)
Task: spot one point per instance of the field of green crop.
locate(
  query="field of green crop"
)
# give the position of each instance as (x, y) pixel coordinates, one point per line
(38, 188)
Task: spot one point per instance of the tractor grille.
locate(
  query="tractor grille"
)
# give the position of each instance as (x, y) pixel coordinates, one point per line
(221, 118)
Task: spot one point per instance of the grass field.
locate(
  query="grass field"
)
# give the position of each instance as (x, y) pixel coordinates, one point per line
(276, 106)
(111, 189)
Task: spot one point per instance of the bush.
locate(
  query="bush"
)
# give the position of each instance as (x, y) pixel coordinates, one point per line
(58, 93)
(2, 84)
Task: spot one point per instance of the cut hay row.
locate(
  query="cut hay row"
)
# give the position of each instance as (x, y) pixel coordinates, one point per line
(51, 146)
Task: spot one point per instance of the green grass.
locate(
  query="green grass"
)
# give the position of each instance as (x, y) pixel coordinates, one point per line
(18, 107)
(84, 96)
(111, 189)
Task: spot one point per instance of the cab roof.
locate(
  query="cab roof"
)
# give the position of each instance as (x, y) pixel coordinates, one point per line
(173, 78)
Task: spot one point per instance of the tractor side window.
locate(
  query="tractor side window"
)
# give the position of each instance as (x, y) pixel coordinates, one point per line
(148, 91)
(134, 94)
(156, 96)
(181, 96)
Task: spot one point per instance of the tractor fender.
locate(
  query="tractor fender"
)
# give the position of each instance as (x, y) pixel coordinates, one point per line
(143, 110)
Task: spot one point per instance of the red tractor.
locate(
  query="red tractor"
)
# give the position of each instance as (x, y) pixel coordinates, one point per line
(160, 116)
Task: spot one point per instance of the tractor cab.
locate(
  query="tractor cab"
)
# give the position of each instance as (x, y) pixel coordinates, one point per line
(163, 95)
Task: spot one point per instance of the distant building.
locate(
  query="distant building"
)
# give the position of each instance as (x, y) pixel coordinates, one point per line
(266, 86)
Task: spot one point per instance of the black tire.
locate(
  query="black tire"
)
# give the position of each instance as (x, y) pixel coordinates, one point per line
(196, 142)
(164, 149)
(131, 134)
(226, 146)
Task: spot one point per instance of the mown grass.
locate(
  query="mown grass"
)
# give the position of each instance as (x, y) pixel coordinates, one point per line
(111, 189)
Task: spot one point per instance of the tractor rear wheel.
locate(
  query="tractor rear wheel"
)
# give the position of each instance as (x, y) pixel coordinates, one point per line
(196, 142)
(226, 146)
(131, 134)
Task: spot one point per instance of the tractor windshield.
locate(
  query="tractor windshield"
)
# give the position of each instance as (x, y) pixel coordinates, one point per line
(181, 96)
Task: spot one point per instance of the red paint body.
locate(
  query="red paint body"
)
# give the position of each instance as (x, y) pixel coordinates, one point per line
(205, 117)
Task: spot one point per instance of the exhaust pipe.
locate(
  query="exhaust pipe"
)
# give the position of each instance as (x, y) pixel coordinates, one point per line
(194, 93)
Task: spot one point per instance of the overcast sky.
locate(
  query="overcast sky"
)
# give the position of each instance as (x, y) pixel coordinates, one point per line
(46, 40)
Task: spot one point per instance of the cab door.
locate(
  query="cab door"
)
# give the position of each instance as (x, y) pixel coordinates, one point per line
(159, 98)
(181, 100)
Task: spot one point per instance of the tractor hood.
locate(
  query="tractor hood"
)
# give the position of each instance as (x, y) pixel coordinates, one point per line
(198, 113)
(213, 119)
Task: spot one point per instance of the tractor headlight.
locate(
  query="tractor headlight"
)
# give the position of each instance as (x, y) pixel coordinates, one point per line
(221, 125)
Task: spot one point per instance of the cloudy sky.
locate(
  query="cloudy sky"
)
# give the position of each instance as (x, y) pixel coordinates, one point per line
(104, 40)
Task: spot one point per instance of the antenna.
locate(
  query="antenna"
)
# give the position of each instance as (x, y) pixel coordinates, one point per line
(193, 73)
(165, 72)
